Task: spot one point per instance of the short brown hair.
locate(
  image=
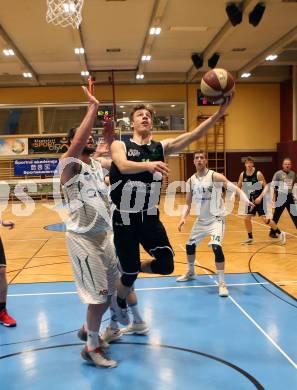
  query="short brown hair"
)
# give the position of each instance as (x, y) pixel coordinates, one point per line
(288, 159)
(200, 151)
(249, 158)
(141, 106)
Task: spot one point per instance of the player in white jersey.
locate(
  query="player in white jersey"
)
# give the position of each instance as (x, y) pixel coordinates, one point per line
(88, 231)
(206, 188)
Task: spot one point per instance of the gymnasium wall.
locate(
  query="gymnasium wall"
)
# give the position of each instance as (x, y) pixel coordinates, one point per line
(286, 111)
(252, 123)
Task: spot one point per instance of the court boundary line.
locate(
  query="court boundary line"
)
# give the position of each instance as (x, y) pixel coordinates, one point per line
(278, 287)
(157, 288)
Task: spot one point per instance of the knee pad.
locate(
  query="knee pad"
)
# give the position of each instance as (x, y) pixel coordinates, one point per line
(163, 263)
(218, 252)
(128, 279)
(191, 249)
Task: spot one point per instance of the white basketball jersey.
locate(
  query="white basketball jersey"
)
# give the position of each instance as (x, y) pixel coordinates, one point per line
(86, 197)
(207, 196)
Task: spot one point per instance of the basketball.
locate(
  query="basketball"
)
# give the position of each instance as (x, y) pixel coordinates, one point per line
(217, 84)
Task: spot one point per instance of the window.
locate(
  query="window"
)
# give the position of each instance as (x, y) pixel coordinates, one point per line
(168, 116)
(18, 120)
(60, 119)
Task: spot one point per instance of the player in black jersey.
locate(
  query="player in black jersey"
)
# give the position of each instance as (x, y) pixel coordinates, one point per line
(136, 179)
(253, 184)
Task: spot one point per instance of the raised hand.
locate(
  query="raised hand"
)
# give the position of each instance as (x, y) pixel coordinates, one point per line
(92, 100)
(226, 104)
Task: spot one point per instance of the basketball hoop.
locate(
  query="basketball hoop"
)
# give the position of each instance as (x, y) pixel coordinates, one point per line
(64, 12)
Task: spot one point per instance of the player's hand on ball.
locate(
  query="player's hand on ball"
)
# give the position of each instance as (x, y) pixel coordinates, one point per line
(9, 224)
(181, 224)
(226, 104)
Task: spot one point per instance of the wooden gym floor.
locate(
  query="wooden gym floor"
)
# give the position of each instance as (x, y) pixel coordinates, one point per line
(38, 255)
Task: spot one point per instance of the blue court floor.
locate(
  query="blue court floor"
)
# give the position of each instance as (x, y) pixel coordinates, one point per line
(197, 339)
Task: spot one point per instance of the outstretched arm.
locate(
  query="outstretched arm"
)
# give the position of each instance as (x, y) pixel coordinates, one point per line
(84, 130)
(219, 178)
(175, 145)
(80, 138)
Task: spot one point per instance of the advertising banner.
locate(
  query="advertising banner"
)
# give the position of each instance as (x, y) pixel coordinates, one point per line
(35, 166)
(13, 146)
(46, 145)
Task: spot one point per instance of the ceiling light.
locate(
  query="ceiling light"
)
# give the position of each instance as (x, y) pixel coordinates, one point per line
(122, 106)
(140, 76)
(79, 50)
(84, 73)
(124, 112)
(155, 31)
(27, 75)
(271, 57)
(8, 52)
(172, 105)
(245, 75)
(146, 58)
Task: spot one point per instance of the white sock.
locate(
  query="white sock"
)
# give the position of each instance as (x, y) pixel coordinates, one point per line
(191, 268)
(221, 275)
(92, 340)
(136, 315)
(113, 321)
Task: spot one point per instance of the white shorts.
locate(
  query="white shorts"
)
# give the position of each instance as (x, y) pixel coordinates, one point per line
(94, 265)
(215, 229)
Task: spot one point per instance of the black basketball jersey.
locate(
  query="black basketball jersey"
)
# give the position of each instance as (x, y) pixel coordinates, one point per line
(248, 181)
(140, 191)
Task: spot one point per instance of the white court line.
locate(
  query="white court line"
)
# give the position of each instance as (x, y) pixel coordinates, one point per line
(159, 288)
(262, 224)
(229, 231)
(290, 360)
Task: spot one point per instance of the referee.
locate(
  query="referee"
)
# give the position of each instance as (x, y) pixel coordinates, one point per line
(284, 181)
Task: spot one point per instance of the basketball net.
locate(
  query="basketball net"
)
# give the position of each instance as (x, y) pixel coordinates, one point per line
(64, 12)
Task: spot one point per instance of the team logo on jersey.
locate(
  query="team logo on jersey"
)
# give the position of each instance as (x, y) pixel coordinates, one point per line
(133, 153)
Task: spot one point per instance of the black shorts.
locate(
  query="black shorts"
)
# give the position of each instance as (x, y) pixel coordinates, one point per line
(259, 208)
(143, 229)
(2, 255)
